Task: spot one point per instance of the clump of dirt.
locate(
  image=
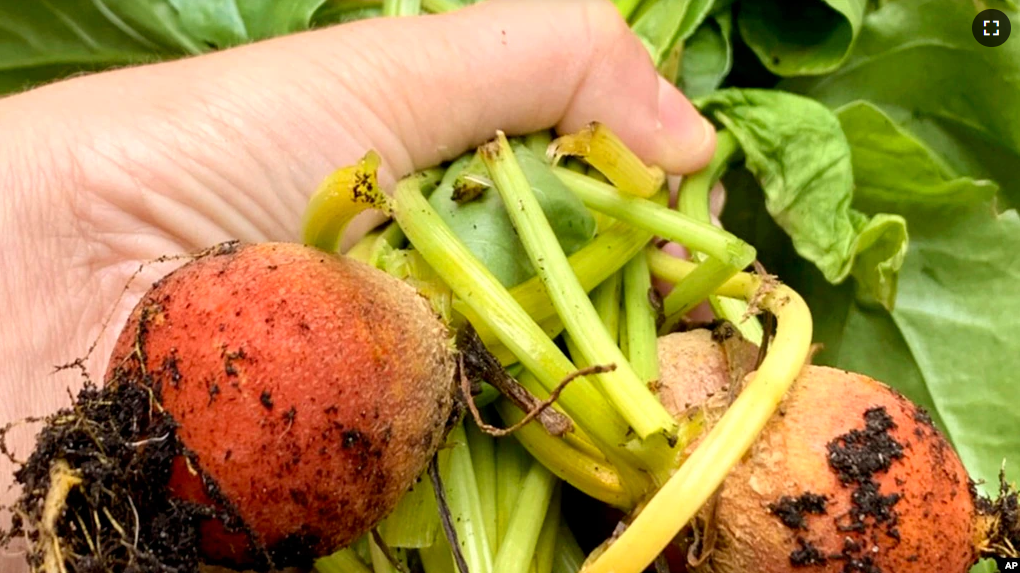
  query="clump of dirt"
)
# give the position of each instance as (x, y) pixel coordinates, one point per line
(855, 457)
(791, 510)
(94, 491)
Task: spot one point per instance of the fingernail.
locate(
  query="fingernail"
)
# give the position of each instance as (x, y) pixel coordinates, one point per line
(687, 140)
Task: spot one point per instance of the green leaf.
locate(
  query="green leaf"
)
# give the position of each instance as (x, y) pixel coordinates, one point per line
(796, 149)
(341, 12)
(271, 18)
(708, 56)
(890, 163)
(801, 37)
(667, 23)
(41, 41)
(47, 40)
(919, 63)
(215, 22)
(485, 228)
(956, 315)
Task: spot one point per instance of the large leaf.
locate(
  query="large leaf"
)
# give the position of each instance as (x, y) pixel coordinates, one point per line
(917, 61)
(43, 40)
(956, 318)
(952, 343)
(485, 228)
(890, 163)
(270, 18)
(801, 37)
(667, 23)
(215, 22)
(707, 57)
(796, 149)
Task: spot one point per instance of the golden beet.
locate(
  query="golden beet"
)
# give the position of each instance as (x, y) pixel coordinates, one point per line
(847, 476)
(310, 391)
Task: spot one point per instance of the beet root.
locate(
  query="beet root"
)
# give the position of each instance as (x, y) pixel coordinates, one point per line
(309, 391)
(849, 476)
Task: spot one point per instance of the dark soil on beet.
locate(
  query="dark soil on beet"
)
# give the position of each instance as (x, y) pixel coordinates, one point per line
(119, 518)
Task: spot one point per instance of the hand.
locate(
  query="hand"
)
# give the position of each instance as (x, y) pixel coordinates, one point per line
(100, 173)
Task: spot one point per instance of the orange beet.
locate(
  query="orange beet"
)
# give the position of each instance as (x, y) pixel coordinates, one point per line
(914, 513)
(849, 476)
(310, 391)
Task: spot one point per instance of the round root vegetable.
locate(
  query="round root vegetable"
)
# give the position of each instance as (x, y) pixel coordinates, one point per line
(849, 476)
(265, 404)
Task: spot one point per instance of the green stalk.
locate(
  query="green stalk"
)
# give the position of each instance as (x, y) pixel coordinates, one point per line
(517, 549)
(596, 478)
(380, 564)
(659, 220)
(511, 465)
(642, 342)
(496, 308)
(483, 458)
(401, 7)
(694, 202)
(569, 556)
(466, 504)
(545, 551)
(437, 558)
(415, 520)
(592, 265)
(440, 6)
(696, 287)
(606, 300)
(342, 561)
(642, 410)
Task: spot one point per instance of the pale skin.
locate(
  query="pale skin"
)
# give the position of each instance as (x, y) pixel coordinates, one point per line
(101, 173)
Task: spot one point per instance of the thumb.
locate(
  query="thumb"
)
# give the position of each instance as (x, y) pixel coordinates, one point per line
(231, 144)
(442, 84)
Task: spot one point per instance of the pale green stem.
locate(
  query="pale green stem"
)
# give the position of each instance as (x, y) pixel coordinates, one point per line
(342, 561)
(498, 311)
(380, 564)
(545, 552)
(596, 478)
(440, 6)
(694, 201)
(517, 549)
(642, 410)
(569, 556)
(511, 465)
(466, 504)
(483, 457)
(606, 300)
(696, 287)
(437, 558)
(642, 341)
(401, 7)
(601, 473)
(659, 220)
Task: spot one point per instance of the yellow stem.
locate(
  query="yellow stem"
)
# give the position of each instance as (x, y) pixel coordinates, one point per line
(683, 495)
